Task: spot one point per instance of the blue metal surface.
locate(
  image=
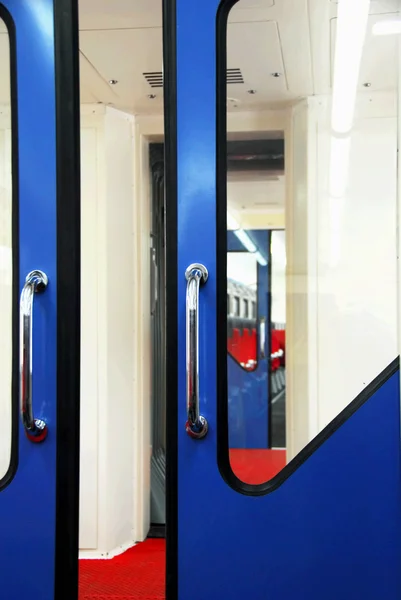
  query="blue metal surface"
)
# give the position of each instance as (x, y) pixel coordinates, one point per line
(248, 391)
(333, 529)
(27, 505)
(247, 406)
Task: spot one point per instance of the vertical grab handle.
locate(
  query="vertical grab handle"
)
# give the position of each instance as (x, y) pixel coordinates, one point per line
(196, 425)
(35, 283)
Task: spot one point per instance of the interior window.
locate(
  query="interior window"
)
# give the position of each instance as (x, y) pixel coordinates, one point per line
(6, 254)
(310, 180)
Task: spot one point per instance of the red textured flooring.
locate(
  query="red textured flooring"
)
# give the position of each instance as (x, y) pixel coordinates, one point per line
(257, 466)
(139, 573)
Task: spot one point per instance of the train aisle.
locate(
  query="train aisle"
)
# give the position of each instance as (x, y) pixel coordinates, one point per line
(137, 574)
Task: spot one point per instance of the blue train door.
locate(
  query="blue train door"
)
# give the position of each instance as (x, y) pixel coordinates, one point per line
(323, 83)
(39, 296)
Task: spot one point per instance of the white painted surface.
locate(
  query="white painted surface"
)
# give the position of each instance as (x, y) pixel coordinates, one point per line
(116, 360)
(357, 268)
(291, 37)
(106, 428)
(301, 345)
(342, 268)
(107, 495)
(278, 277)
(89, 338)
(142, 341)
(257, 202)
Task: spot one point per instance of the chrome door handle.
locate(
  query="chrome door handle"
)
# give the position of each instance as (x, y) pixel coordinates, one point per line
(196, 425)
(35, 429)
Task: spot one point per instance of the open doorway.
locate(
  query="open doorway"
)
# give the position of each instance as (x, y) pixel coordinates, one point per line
(277, 110)
(122, 505)
(121, 115)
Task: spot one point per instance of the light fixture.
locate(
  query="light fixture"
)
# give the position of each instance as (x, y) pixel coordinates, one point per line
(389, 27)
(233, 225)
(250, 246)
(276, 74)
(351, 30)
(252, 92)
(261, 259)
(245, 240)
(113, 81)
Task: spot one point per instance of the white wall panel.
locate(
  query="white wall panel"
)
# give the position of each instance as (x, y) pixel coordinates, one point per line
(357, 268)
(89, 340)
(342, 261)
(107, 495)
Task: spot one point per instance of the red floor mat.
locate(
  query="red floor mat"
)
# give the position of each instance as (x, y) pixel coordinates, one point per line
(257, 466)
(138, 574)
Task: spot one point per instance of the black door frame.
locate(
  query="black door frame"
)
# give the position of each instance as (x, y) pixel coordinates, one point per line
(69, 294)
(66, 39)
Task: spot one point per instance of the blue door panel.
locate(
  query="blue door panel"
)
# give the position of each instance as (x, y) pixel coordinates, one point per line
(248, 425)
(27, 505)
(248, 391)
(332, 530)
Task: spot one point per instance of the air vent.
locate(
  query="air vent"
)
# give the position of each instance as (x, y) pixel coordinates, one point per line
(155, 78)
(234, 76)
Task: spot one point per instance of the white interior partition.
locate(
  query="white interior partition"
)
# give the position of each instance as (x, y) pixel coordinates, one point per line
(106, 498)
(342, 262)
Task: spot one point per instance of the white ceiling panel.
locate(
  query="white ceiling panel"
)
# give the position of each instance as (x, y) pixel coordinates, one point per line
(119, 14)
(124, 56)
(256, 196)
(380, 6)
(113, 7)
(256, 48)
(379, 59)
(122, 40)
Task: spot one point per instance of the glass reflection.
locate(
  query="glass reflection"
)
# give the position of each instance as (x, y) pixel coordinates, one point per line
(256, 352)
(6, 275)
(331, 218)
(242, 309)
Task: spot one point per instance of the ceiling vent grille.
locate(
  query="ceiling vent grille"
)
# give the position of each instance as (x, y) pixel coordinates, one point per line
(234, 76)
(155, 78)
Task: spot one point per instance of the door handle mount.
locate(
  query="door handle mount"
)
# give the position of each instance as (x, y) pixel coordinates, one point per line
(196, 425)
(35, 283)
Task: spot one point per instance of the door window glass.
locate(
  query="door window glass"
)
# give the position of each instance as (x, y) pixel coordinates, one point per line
(6, 256)
(308, 148)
